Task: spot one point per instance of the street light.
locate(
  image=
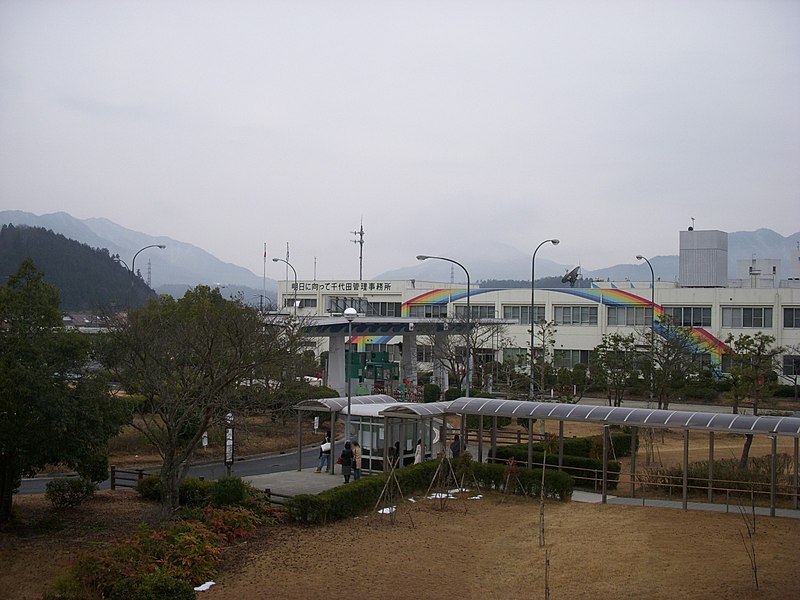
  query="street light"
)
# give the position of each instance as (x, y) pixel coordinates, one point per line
(133, 262)
(468, 373)
(555, 242)
(349, 314)
(295, 280)
(652, 322)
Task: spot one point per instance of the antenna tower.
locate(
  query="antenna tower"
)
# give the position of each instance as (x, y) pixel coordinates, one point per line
(148, 272)
(360, 241)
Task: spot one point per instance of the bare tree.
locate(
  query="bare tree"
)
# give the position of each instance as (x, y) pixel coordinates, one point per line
(752, 372)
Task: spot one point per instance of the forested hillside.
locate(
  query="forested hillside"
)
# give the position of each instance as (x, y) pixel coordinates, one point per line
(89, 279)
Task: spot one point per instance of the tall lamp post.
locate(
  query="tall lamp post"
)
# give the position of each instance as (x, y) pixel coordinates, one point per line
(652, 322)
(349, 314)
(468, 373)
(133, 262)
(283, 260)
(555, 242)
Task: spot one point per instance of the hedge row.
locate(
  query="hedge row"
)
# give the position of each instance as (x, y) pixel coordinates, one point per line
(357, 497)
(588, 447)
(192, 492)
(585, 471)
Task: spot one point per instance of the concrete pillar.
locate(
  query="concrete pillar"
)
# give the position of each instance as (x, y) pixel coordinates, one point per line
(408, 362)
(336, 372)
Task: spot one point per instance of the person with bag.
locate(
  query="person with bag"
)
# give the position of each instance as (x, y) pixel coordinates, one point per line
(356, 461)
(324, 454)
(346, 460)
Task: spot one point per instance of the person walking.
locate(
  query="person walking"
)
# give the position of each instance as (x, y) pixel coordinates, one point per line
(324, 454)
(455, 447)
(347, 461)
(418, 452)
(356, 461)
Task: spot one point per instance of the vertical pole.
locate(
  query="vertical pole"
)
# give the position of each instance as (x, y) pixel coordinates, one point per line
(605, 464)
(796, 470)
(711, 466)
(331, 461)
(494, 438)
(480, 438)
(386, 443)
(560, 445)
(685, 469)
(530, 444)
(113, 477)
(634, 435)
(773, 476)
(299, 443)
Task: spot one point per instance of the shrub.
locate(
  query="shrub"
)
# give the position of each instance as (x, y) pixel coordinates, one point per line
(522, 480)
(229, 491)
(451, 394)
(152, 586)
(195, 492)
(585, 471)
(149, 488)
(473, 421)
(431, 392)
(784, 391)
(66, 493)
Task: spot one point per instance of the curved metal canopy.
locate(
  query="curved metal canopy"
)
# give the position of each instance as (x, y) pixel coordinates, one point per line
(337, 404)
(633, 417)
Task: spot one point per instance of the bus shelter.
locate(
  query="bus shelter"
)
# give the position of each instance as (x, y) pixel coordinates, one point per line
(376, 431)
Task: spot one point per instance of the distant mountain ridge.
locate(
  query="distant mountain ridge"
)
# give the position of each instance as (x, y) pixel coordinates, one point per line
(179, 264)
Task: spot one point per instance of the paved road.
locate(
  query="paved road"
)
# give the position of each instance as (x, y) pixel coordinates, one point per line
(246, 467)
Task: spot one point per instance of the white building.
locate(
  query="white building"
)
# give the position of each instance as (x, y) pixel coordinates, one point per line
(398, 312)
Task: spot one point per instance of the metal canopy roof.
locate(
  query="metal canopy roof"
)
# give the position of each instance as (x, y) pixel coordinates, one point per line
(634, 417)
(417, 409)
(337, 404)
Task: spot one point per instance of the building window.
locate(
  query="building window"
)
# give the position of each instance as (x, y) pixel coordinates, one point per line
(424, 353)
(515, 355)
(791, 317)
(576, 315)
(630, 316)
(479, 311)
(689, 316)
(427, 311)
(791, 365)
(567, 359)
(746, 316)
(522, 314)
(383, 309)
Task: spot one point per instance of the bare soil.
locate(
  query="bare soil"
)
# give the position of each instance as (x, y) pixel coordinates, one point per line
(470, 549)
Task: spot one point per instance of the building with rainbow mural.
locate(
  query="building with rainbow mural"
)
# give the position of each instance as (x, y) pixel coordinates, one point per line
(394, 316)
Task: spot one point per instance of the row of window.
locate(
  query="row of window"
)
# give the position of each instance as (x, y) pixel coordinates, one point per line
(733, 317)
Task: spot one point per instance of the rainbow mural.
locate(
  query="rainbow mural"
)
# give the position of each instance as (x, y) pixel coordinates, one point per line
(700, 339)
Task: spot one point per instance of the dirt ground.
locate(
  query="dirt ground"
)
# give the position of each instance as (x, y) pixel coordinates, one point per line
(489, 548)
(471, 549)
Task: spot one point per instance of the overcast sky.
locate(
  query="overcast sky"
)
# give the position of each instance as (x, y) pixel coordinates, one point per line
(609, 125)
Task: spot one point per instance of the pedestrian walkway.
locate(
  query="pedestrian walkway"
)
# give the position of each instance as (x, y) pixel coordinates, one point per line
(291, 483)
(591, 497)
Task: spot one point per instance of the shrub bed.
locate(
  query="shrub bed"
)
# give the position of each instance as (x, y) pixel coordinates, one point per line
(586, 472)
(356, 497)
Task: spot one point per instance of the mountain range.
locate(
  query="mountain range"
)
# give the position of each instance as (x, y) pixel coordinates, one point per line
(180, 265)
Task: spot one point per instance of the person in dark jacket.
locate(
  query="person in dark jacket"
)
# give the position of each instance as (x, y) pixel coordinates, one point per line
(456, 447)
(347, 461)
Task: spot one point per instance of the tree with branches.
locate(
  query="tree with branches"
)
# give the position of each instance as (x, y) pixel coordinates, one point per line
(753, 366)
(615, 364)
(54, 409)
(185, 362)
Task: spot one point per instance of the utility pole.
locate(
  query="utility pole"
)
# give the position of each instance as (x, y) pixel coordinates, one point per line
(360, 241)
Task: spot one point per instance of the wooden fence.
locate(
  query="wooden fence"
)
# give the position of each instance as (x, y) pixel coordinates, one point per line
(125, 478)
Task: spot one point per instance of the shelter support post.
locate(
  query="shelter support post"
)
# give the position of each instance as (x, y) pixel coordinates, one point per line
(560, 445)
(634, 435)
(685, 469)
(711, 466)
(332, 460)
(530, 443)
(493, 451)
(299, 442)
(773, 476)
(605, 464)
(796, 470)
(480, 438)
(386, 444)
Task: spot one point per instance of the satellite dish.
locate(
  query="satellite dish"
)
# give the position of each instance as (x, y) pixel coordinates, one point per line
(571, 277)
